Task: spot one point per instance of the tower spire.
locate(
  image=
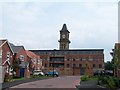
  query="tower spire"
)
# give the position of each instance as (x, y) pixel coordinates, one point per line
(64, 28)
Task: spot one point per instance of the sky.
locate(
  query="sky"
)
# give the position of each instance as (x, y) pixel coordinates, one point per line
(35, 24)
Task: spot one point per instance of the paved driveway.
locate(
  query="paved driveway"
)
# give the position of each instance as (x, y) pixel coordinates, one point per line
(59, 82)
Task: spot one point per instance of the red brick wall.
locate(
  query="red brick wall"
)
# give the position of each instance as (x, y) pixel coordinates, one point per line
(22, 52)
(5, 49)
(97, 59)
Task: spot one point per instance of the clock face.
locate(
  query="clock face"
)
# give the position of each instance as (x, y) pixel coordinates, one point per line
(63, 36)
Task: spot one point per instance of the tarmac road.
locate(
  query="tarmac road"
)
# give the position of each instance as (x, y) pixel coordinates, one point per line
(58, 82)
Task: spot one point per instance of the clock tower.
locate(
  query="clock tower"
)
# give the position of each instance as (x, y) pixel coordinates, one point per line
(64, 38)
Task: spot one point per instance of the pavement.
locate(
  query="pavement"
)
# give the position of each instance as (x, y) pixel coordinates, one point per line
(90, 85)
(58, 83)
(14, 83)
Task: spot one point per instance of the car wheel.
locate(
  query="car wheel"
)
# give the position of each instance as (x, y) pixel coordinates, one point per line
(46, 74)
(56, 75)
(39, 74)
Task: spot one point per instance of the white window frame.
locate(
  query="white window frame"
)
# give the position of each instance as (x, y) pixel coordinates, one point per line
(0, 57)
(22, 57)
(38, 61)
(8, 55)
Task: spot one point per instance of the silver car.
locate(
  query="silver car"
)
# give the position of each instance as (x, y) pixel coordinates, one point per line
(38, 72)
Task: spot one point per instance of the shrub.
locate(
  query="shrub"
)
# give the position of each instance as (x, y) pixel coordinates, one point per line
(111, 83)
(117, 81)
(84, 78)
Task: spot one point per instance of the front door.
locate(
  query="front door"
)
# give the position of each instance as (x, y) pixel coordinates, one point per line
(22, 72)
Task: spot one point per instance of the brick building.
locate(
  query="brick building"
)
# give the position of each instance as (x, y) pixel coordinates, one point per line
(6, 59)
(35, 62)
(20, 61)
(71, 61)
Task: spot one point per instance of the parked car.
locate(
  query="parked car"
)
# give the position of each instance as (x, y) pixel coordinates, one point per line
(98, 72)
(38, 72)
(109, 72)
(52, 73)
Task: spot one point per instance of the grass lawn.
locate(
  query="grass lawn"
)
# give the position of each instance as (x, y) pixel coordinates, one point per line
(32, 77)
(37, 76)
(15, 79)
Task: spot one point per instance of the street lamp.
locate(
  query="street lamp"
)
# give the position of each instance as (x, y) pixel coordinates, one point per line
(53, 66)
(53, 60)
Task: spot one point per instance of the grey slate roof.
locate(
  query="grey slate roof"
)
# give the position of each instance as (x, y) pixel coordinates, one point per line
(70, 51)
(15, 48)
(64, 28)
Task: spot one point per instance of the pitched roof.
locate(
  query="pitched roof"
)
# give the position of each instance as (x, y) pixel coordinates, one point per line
(64, 28)
(2, 42)
(15, 48)
(31, 54)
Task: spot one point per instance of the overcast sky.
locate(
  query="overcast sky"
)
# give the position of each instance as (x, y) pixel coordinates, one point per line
(36, 23)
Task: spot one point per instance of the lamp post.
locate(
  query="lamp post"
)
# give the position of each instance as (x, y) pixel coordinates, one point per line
(53, 66)
(53, 60)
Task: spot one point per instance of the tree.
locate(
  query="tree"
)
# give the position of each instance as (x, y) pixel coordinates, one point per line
(16, 65)
(108, 65)
(116, 60)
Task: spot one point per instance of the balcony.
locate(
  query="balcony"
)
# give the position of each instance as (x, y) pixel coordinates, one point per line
(56, 62)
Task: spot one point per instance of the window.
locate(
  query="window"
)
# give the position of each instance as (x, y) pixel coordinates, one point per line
(64, 46)
(68, 65)
(38, 61)
(45, 65)
(94, 65)
(73, 59)
(68, 59)
(80, 59)
(34, 61)
(87, 58)
(50, 65)
(21, 58)
(84, 59)
(80, 65)
(8, 54)
(74, 65)
(56, 59)
(91, 59)
(100, 66)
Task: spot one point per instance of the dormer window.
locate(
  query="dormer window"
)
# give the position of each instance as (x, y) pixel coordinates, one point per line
(21, 58)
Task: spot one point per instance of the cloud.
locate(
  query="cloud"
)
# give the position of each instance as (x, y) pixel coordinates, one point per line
(37, 25)
(59, 1)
